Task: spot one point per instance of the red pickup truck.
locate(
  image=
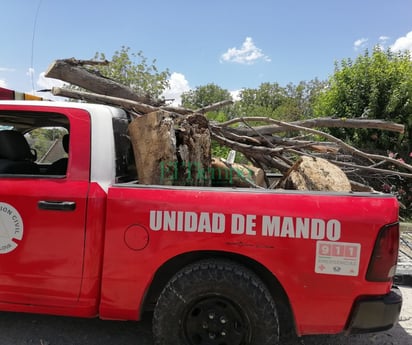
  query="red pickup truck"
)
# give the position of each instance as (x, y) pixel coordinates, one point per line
(81, 237)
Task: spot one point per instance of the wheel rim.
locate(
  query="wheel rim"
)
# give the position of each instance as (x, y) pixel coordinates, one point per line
(216, 320)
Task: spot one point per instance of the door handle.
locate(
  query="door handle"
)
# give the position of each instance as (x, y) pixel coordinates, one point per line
(57, 205)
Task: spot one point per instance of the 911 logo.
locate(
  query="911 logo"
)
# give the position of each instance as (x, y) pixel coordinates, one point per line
(11, 228)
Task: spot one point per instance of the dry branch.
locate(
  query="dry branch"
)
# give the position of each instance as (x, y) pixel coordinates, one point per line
(374, 169)
(129, 105)
(312, 123)
(213, 107)
(97, 98)
(281, 152)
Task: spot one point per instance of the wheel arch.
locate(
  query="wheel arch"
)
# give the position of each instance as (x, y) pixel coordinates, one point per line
(172, 266)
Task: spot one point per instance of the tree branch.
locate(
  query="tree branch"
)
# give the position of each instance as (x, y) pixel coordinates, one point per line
(311, 123)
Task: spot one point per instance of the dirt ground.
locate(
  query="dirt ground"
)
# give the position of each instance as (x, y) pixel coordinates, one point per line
(28, 329)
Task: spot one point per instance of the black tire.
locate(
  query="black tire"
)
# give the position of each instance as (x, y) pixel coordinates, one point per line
(215, 302)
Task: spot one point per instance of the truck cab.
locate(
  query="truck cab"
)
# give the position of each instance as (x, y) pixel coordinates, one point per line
(46, 193)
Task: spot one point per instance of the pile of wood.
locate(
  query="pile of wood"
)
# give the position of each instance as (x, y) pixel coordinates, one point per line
(172, 144)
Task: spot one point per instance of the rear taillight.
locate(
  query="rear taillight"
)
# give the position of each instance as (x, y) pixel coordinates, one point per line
(382, 266)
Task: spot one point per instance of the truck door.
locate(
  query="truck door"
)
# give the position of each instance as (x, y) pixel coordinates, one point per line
(42, 217)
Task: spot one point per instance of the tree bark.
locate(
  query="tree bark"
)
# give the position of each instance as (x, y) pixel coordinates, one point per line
(73, 72)
(317, 174)
(154, 147)
(170, 151)
(193, 151)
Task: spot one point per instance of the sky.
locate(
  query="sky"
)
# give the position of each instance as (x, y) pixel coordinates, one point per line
(234, 44)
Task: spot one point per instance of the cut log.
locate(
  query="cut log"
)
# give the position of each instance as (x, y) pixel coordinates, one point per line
(317, 174)
(171, 151)
(193, 151)
(73, 72)
(154, 146)
(236, 175)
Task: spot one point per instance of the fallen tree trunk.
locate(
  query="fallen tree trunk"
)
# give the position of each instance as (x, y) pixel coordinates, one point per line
(154, 147)
(171, 151)
(73, 72)
(193, 151)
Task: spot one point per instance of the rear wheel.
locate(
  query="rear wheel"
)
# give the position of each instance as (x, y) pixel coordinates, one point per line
(215, 302)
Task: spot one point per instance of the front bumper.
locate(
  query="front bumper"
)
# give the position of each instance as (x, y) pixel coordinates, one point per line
(374, 314)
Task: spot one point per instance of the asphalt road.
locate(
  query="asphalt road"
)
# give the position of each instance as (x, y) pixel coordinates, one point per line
(28, 329)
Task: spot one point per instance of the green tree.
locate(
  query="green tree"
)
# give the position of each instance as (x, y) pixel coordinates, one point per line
(298, 103)
(203, 96)
(289, 103)
(262, 101)
(135, 71)
(377, 85)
